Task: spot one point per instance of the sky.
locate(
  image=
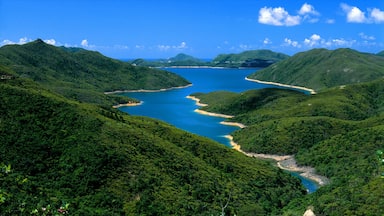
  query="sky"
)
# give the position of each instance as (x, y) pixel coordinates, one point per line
(129, 29)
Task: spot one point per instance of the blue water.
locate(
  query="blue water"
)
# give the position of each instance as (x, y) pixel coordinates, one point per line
(307, 183)
(174, 108)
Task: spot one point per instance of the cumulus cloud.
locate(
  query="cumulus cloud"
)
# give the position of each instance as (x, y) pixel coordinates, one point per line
(277, 16)
(22, 40)
(314, 40)
(280, 17)
(356, 15)
(308, 9)
(377, 15)
(50, 41)
(84, 43)
(267, 41)
(289, 42)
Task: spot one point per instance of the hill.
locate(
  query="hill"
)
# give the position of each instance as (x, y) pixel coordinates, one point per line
(81, 74)
(338, 131)
(320, 68)
(59, 155)
(380, 53)
(180, 59)
(252, 58)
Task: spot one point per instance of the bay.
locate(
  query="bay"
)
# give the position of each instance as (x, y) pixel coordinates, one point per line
(174, 108)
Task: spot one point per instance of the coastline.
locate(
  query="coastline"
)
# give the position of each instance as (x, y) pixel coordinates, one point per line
(128, 104)
(285, 162)
(197, 100)
(311, 91)
(144, 90)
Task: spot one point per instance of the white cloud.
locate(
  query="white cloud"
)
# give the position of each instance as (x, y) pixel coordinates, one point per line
(21, 41)
(289, 42)
(182, 45)
(330, 21)
(84, 43)
(356, 15)
(277, 16)
(377, 15)
(308, 9)
(314, 40)
(366, 37)
(50, 41)
(280, 17)
(267, 41)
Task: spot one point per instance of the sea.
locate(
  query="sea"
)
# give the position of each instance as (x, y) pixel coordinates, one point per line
(175, 108)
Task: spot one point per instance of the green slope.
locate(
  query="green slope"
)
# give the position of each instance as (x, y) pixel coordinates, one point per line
(260, 58)
(320, 68)
(97, 161)
(81, 74)
(337, 131)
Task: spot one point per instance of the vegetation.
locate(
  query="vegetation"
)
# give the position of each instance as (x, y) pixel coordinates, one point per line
(64, 156)
(180, 59)
(320, 69)
(338, 131)
(252, 58)
(80, 74)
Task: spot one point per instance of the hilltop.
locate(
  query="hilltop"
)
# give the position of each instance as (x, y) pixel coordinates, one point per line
(321, 68)
(82, 74)
(337, 131)
(252, 58)
(58, 153)
(180, 59)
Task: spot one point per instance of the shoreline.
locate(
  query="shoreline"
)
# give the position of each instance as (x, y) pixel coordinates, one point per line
(144, 90)
(285, 162)
(197, 100)
(311, 91)
(128, 104)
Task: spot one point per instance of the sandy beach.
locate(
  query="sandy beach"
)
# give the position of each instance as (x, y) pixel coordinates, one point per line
(197, 100)
(311, 91)
(143, 90)
(285, 162)
(128, 104)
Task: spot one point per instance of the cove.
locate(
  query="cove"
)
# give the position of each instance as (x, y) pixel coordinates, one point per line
(174, 108)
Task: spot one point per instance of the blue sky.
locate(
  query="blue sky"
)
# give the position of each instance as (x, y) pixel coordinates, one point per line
(202, 28)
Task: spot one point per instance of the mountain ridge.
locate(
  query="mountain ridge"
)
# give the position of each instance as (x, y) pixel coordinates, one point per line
(321, 68)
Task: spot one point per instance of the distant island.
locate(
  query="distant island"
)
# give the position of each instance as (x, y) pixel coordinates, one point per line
(247, 59)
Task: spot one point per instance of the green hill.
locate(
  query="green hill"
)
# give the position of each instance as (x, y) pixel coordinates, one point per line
(81, 74)
(337, 131)
(180, 59)
(320, 68)
(252, 58)
(380, 53)
(59, 155)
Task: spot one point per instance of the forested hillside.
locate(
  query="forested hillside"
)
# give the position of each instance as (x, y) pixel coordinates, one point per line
(81, 74)
(321, 68)
(337, 131)
(64, 156)
(251, 58)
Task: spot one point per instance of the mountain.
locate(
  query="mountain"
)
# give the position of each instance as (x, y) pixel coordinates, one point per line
(180, 59)
(70, 71)
(252, 58)
(337, 131)
(321, 68)
(380, 53)
(60, 155)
